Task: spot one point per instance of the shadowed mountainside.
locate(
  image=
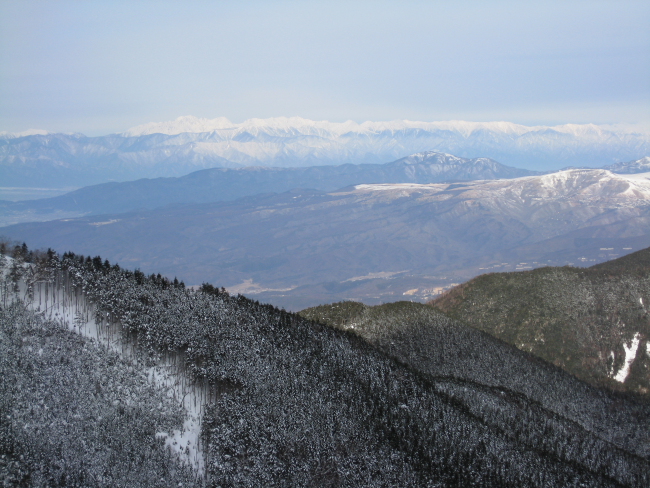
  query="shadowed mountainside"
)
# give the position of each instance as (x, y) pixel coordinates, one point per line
(591, 322)
(303, 404)
(431, 342)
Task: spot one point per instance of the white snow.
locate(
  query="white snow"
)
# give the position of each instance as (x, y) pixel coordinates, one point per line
(396, 186)
(187, 123)
(79, 315)
(107, 222)
(584, 187)
(28, 132)
(630, 356)
(186, 442)
(639, 178)
(191, 124)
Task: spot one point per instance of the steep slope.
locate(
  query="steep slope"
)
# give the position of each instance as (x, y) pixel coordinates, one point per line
(296, 403)
(221, 184)
(432, 343)
(591, 322)
(371, 242)
(189, 144)
(74, 414)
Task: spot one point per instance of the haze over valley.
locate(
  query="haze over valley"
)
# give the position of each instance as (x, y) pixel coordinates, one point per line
(373, 242)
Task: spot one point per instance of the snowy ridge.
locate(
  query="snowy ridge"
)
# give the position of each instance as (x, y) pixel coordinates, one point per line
(597, 184)
(28, 132)
(420, 157)
(179, 126)
(399, 186)
(187, 144)
(587, 186)
(299, 125)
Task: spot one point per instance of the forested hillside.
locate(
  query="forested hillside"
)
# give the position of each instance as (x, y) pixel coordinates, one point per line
(591, 322)
(73, 414)
(510, 381)
(290, 401)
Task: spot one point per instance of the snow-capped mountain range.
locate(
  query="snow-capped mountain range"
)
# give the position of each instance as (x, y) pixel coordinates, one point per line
(283, 125)
(189, 143)
(29, 132)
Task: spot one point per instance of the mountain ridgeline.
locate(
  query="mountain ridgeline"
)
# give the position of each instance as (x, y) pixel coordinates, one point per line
(189, 144)
(293, 401)
(223, 184)
(593, 322)
(370, 242)
(631, 167)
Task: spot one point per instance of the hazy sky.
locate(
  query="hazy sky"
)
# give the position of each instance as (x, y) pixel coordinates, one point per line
(104, 66)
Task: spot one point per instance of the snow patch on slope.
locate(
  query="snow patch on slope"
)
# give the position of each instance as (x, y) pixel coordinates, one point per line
(630, 356)
(584, 186)
(79, 316)
(398, 186)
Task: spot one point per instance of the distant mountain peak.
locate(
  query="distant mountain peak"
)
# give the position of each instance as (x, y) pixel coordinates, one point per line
(631, 167)
(457, 168)
(190, 143)
(433, 157)
(192, 124)
(186, 123)
(28, 132)
(430, 156)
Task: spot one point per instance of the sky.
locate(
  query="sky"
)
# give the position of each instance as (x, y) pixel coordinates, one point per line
(102, 67)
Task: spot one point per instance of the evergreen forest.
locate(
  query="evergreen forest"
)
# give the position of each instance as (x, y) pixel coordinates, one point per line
(110, 377)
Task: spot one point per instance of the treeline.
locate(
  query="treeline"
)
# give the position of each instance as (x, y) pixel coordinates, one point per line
(297, 403)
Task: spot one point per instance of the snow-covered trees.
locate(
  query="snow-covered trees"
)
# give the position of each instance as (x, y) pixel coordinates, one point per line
(288, 401)
(74, 414)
